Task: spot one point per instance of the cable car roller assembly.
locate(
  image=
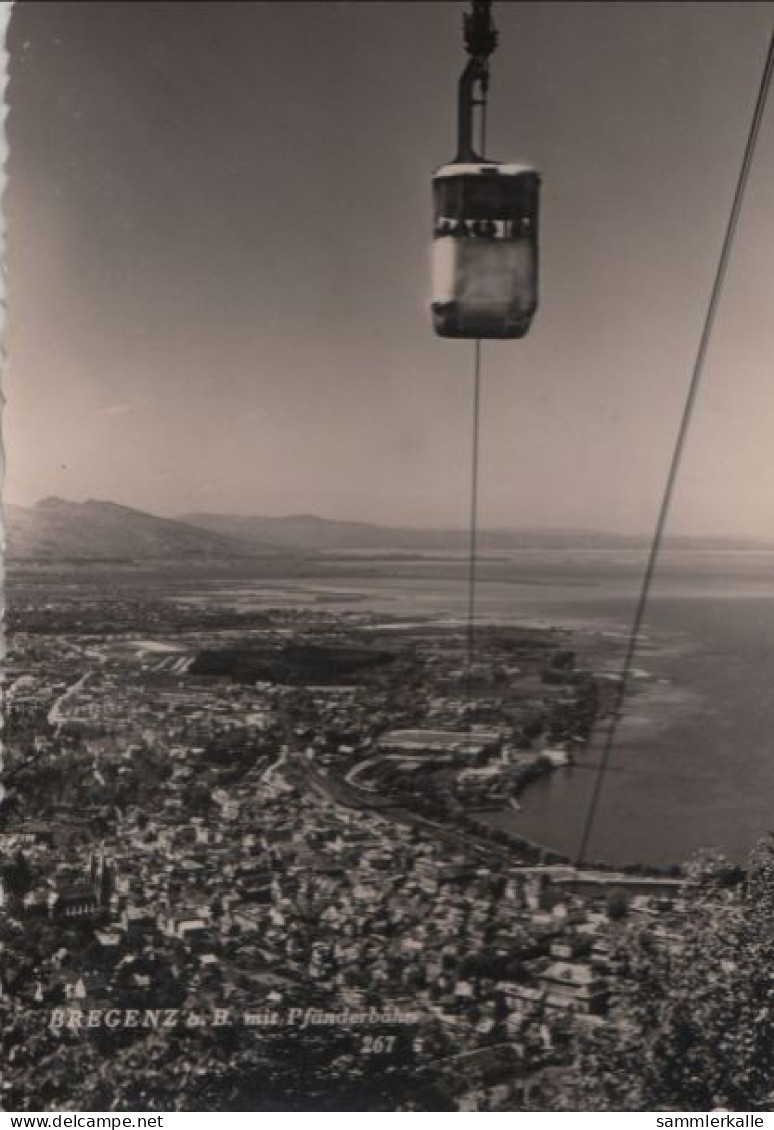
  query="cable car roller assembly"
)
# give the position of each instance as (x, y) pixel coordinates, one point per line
(485, 286)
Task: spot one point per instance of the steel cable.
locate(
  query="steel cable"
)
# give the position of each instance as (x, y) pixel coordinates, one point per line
(677, 454)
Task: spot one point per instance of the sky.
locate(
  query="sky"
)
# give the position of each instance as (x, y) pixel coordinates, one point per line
(218, 223)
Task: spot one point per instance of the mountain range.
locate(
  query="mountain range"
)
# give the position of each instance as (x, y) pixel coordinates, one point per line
(56, 529)
(308, 533)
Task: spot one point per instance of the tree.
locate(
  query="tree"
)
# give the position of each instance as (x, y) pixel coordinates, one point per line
(617, 904)
(694, 1026)
(17, 878)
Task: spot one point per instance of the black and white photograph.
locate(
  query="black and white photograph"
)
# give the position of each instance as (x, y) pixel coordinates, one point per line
(388, 557)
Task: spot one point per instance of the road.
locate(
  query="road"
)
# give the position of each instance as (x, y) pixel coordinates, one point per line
(55, 716)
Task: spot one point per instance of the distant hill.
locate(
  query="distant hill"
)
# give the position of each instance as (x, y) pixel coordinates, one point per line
(55, 529)
(308, 532)
(305, 531)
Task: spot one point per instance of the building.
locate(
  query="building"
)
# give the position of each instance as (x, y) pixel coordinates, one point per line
(450, 743)
(574, 986)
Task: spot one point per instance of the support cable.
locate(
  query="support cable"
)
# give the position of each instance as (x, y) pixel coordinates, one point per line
(473, 534)
(677, 454)
(473, 531)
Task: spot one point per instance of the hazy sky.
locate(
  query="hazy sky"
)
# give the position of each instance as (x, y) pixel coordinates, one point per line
(219, 221)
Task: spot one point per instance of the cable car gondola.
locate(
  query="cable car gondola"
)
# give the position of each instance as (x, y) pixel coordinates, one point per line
(485, 246)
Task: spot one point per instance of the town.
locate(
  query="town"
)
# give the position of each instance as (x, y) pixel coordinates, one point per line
(219, 822)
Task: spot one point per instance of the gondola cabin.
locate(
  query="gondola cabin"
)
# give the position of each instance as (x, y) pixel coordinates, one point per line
(485, 249)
